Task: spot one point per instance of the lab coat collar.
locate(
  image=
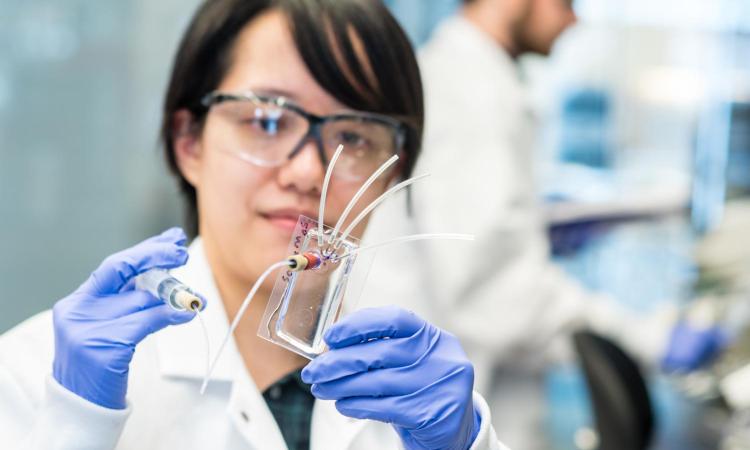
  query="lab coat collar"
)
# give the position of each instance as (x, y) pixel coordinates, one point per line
(331, 430)
(181, 354)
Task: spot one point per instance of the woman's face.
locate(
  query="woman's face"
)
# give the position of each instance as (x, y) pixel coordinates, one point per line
(247, 213)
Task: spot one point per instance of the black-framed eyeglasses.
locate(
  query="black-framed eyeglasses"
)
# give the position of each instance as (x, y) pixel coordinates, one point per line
(267, 131)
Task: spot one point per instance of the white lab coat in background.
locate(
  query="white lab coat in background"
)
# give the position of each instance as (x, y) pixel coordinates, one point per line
(501, 295)
(165, 409)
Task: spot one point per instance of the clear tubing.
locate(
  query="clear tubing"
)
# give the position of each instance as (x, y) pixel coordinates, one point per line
(360, 193)
(387, 194)
(207, 347)
(324, 192)
(240, 313)
(168, 289)
(412, 237)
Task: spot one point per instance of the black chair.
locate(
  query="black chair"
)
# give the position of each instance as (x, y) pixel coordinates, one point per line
(621, 405)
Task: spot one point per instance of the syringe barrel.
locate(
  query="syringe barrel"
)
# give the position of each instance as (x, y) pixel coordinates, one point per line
(168, 289)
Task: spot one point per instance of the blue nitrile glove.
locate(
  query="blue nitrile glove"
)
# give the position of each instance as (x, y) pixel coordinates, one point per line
(389, 365)
(690, 347)
(98, 326)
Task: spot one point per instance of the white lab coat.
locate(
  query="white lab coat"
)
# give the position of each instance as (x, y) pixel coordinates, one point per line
(165, 410)
(501, 295)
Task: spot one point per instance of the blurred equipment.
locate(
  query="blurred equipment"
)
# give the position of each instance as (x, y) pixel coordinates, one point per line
(723, 288)
(585, 128)
(622, 408)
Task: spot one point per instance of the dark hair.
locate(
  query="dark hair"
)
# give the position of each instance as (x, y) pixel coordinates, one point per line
(320, 29)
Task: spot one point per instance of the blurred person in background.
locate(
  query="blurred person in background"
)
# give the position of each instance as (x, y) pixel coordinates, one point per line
(261, 94)
(502, 296)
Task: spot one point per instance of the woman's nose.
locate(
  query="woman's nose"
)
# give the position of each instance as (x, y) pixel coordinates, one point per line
(304, 171)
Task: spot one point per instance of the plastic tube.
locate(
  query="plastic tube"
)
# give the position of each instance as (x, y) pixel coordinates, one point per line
(385, 196)
(359, 194)
(168, 289)
(409, 238)
(206, 340)
(238, 317)
(324, 192)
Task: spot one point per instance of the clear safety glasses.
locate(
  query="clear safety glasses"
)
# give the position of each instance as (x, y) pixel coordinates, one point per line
(268, 131)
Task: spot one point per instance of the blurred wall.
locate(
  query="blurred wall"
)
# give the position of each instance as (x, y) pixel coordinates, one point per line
(81, 175)
(418, 17)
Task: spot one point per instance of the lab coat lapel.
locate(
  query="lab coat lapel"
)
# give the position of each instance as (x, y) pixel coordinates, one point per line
(182, 349)
(331, 430)
(181, 354)
(249, 413)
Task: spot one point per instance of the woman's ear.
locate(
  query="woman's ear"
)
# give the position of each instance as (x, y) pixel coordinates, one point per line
(186, 145)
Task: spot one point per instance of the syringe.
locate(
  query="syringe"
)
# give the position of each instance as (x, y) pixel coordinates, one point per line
(169, 289)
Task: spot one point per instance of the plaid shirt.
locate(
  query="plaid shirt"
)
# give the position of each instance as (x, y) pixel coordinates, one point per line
(291, 404)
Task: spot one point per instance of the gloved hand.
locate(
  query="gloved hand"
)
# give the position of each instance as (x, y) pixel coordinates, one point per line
(98, 326)
(692, 346)
(389, 365)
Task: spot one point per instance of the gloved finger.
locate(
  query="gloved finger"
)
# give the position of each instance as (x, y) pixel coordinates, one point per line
(435, 402)
(380, 383)
(373, 323)
(114, 306)
(175, 235)
(129, 286)
(690, 348)
(397, 410)
(116, 270)
(369, 356)
(135, 327)
(394, 381)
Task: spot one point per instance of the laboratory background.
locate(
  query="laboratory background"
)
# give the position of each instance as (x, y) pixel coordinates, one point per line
(643, 162)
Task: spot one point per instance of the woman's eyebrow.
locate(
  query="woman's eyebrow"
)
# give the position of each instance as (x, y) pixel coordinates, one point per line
(273, 92)
(269, 91)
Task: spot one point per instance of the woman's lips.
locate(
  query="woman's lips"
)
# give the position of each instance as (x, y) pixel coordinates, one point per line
(285, 223)
(285, 220)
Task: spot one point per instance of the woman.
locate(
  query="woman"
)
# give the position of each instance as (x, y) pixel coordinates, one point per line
(244, 135)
